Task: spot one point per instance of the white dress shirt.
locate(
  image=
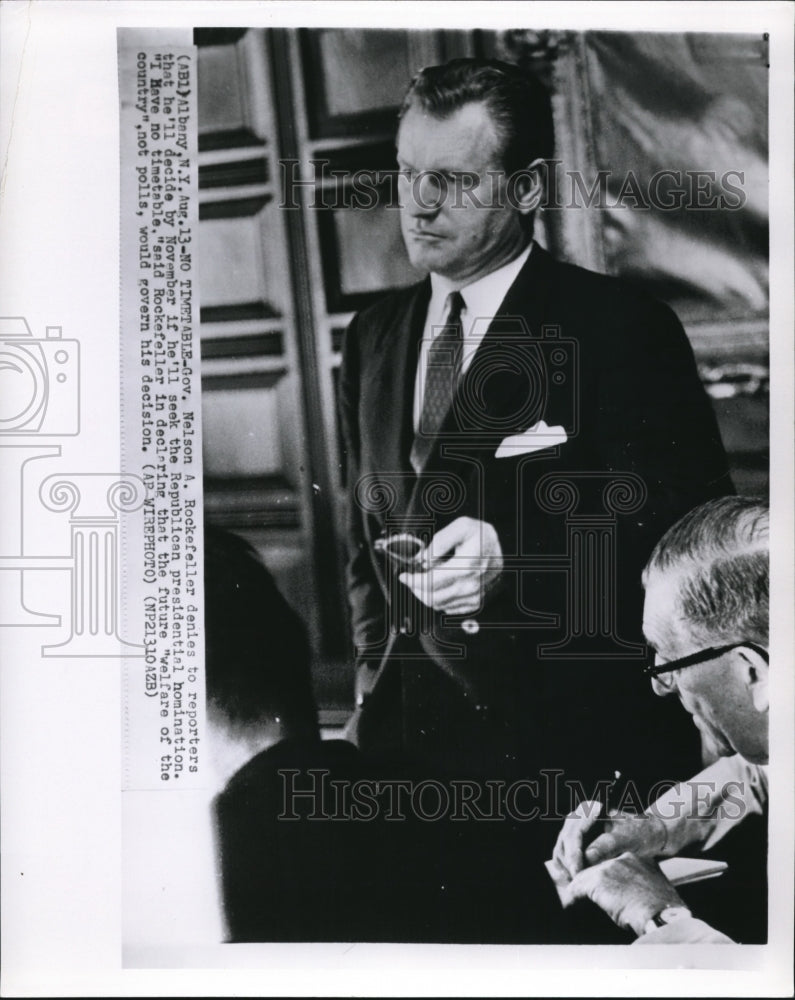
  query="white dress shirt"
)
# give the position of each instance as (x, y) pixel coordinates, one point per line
(732, 780)
(482, 299)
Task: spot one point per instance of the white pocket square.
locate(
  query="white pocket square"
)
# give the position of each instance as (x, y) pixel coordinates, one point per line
(533, 439)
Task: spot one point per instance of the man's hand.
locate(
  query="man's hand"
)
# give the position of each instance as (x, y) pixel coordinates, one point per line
(461, 563)
(630, 890)
(587, 838)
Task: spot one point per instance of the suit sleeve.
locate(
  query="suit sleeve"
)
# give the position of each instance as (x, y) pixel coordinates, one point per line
(365, 597)
(656, 420)
(702, 810)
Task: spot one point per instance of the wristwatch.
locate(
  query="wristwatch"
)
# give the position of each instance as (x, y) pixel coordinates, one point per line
(666, 916)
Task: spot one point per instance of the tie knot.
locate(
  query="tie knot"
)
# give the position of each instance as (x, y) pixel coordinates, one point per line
(457, 305)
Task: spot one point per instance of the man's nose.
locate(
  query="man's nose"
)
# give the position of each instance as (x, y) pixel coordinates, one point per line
(424, 195)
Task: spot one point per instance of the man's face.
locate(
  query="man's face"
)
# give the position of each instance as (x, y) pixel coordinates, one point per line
(455, 212)
(715, 692)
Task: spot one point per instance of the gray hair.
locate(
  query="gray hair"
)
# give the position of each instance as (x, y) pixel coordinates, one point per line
(720, 553)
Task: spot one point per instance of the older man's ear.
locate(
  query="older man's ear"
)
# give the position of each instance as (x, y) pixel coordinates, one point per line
(754, 672)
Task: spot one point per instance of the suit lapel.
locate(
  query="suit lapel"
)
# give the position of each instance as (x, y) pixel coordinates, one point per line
(398, 352)
(527, 296)
(503, 393)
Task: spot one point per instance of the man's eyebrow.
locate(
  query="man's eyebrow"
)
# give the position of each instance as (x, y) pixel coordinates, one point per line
(438, 171)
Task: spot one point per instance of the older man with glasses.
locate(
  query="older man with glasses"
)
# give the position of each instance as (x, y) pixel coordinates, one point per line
(706, 619)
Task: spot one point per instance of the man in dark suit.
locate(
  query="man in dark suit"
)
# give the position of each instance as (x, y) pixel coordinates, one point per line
(539, 426)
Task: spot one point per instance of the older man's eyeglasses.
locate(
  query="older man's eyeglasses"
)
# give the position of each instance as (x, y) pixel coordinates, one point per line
(655, 669)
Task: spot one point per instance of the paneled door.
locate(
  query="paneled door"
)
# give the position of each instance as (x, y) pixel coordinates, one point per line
(286, 116)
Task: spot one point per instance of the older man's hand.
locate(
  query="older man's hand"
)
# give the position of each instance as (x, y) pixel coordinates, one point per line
(630, 890)
(588, 838)
(462, 562)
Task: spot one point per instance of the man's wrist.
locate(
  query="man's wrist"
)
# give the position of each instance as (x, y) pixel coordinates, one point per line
(667, 915)
(659, 901)
(661, 834)
(676, 830)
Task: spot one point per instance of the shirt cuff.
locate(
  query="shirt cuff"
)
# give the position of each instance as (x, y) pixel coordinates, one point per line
(686, 930)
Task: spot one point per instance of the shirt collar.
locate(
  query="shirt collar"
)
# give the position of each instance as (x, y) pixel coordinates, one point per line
(482, 297)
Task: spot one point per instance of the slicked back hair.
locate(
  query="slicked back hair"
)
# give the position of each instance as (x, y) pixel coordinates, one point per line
(519, 104)
(720, 552)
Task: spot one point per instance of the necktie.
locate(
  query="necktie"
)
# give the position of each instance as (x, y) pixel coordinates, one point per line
(441, 376)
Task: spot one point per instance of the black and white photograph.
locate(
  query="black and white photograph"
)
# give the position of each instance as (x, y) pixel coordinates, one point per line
(428, 590)
(466, 571)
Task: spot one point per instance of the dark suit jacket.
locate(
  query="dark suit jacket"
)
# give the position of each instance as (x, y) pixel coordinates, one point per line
(550, 674)
(321, 875)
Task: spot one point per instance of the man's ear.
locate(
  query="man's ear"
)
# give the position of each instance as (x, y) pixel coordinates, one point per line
(754, 671)
(527, 187)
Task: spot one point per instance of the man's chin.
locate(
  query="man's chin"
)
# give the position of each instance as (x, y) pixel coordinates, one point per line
(425, 259)
(713, 743)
